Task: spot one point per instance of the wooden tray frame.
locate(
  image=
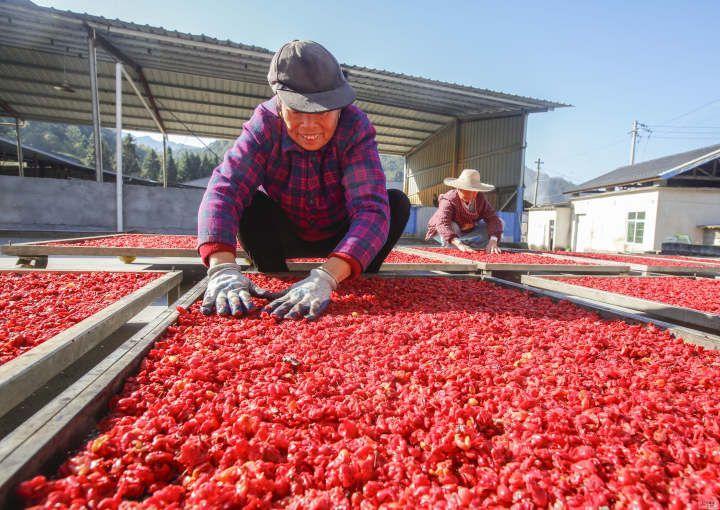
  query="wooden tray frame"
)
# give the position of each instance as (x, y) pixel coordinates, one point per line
(25, 374)
(644, 269)
(666, 311)
(42, 249)
(490, 267)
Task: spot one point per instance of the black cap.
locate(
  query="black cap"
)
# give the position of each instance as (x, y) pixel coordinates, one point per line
(307, 78)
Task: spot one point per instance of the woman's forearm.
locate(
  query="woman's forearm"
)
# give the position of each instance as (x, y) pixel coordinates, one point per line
(221, 257)
(338, 268)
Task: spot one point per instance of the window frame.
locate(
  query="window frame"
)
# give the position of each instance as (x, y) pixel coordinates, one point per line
(634, 220)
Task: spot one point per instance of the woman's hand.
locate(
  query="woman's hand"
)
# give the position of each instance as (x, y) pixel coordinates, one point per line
(492, 245)
(307, 298)
(461, 246)
(228, 291)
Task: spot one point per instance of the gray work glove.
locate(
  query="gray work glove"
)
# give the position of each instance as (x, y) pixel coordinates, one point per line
(228, 291)
(307, 298)
(462, 246)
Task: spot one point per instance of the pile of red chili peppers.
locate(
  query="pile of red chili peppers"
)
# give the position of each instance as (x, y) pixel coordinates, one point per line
(135, 241)
(698, 293)
(698, 260)
(35, 306)
(631, 259)
(394, 257)
(506, 257)
(408, 393)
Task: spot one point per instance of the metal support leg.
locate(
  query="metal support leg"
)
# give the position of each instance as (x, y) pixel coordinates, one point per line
(32, 262)
(173, 295)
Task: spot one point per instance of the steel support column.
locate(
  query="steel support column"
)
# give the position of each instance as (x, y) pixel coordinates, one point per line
(456, 149)
(97, 140)
(164, 162)
(519, 203)
(118, 147)
(18, 141)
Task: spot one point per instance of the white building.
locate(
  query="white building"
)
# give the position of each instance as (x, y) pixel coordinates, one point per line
(635, 208)
(549, 226)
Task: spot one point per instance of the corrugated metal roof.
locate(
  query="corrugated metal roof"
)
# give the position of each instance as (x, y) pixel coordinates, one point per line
(203, 84)
(654, 169)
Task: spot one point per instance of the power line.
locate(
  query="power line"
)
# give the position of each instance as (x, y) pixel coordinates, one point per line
(663, 126)
(705, 105)
(688, 138)
(189, 130)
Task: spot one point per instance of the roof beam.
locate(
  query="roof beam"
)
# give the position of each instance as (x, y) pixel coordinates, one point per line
(5, 107)
(119, 55)
(696, 178)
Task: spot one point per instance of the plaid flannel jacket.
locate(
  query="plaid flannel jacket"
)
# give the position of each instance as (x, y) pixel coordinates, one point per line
(340, 187)
(451, 209)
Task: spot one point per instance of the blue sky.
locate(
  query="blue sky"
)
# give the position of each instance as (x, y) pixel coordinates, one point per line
(615, 61)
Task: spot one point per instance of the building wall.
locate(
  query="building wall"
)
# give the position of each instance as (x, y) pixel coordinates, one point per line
(538, 224)
(539, 228)
(492, 146)
(59, 204)
(427, 167)
(563, 228)
(604, 224)
(683, 209)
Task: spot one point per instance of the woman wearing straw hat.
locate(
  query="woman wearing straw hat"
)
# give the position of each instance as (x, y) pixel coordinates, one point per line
(464, 218)
(303, 180)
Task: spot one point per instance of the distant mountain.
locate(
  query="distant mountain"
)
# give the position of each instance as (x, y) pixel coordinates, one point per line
(156, 145)
(550, 189)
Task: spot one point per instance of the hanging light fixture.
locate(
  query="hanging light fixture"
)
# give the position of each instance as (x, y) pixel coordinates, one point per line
(64, 86)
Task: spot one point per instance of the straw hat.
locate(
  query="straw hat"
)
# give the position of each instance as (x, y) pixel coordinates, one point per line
(469, 180)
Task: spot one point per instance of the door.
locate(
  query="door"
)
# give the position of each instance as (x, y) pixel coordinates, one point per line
(551, 235)
(582, 233)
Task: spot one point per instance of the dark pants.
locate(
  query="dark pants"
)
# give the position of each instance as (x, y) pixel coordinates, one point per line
(268, 236)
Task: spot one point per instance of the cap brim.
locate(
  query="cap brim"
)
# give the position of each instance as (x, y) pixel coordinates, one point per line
(453, 183)
(319, 101)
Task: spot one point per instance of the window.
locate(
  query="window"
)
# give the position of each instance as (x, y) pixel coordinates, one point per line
(635, 227)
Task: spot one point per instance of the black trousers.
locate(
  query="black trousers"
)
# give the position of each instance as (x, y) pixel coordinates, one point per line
(268, 236)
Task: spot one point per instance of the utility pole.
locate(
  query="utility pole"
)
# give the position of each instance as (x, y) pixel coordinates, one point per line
(538, 162)
(633, 143)
(635, 134)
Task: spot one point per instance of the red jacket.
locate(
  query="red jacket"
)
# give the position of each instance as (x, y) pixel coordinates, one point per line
(451, 209)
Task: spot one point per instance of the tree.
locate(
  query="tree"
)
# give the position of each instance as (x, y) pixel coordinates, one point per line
(189, 167)
(171, 167)
(131, 163)
(209, 162)
(108, 154)
(151, 169)
(77, 141)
